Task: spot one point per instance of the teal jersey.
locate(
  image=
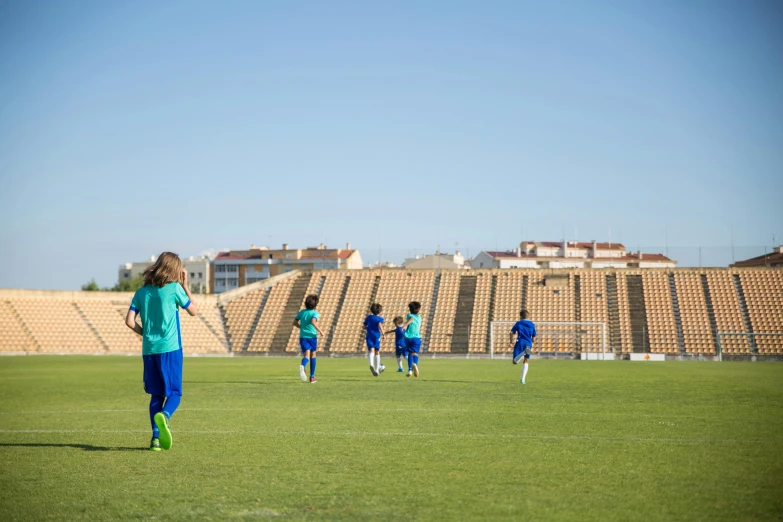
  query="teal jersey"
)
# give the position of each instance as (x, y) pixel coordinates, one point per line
(159, 311)
(412, 332)
(306, 328)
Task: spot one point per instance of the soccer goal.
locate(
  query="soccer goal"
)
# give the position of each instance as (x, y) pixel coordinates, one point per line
(744, 343)
(587, 338)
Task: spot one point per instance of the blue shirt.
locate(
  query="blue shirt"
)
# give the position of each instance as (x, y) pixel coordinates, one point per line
(373, 324)
(159, 311)
(525, 331)
(399, 336)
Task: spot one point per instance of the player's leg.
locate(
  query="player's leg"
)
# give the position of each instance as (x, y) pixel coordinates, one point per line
(313, 348)
(519, 351)
(378, 358)
(156, 405)
(525, 366)
(409, 351)
(154, 385)
(305, 347)
(415, 355)
(371, 356)
(170, 364)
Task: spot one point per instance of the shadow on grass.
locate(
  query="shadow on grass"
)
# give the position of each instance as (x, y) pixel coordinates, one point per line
(85, 447)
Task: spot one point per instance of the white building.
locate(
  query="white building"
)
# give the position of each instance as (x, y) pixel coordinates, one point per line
(437, 260)
(242, 267)
(570, 254)
(198, 268)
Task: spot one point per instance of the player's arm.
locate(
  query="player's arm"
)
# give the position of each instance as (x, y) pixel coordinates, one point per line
(314, 322)
(511, 338)
(409, 321)
(189, 306)
(389, 331)
(296, 324)
(383, 334)
(130, 322)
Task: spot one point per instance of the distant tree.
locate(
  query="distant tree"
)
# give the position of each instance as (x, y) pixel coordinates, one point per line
(130, 285)
(92, 286)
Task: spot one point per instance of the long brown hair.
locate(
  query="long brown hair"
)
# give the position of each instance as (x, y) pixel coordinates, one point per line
(166, 269)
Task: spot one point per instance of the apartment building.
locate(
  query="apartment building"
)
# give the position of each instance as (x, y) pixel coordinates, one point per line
(237, 268)
(570, 254)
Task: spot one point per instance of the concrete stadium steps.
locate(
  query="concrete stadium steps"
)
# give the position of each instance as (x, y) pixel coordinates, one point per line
(666, 311)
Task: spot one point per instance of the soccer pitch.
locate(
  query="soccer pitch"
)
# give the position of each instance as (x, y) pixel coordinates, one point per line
(580, 441)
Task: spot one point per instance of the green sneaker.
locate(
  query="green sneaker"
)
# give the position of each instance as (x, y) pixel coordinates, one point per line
(155, 444)
(162, 422)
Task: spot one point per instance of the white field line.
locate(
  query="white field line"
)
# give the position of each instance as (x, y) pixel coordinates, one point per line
(356, 433)
(376, 410)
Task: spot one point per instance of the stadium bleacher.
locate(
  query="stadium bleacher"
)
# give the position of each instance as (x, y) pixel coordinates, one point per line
(679, 311)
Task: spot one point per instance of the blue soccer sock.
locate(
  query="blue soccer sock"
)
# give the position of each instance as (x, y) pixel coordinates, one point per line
(156, 405)
(304, 362)
(410, 362)
(172, 403)
(312, 367)
(416, 359)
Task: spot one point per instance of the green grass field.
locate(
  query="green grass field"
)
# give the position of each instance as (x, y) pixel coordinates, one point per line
(581, 441)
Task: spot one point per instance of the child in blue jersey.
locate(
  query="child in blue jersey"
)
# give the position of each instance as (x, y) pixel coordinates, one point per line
(307, 322)
(525, 332)
(399, 342)
(374, 334)
(157, 304)
(413, 337)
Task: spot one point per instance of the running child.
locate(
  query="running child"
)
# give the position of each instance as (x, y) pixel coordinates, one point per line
(413, 337)
(307, 322)
(525, 332)
(157, 304)
(399, 342)
(372, 324)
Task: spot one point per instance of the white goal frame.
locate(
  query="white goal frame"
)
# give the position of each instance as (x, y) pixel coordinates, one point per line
(561, 323)
(721, 335)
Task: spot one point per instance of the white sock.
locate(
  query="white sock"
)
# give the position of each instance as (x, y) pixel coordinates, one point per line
(399, 362)
(524, 371)
(378, 361)
(370, 356)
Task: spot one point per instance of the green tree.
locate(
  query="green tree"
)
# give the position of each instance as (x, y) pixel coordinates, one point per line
(92, 286)
(129, 285)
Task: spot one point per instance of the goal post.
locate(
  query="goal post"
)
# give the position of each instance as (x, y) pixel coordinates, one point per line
(554, 337)
(745, 343)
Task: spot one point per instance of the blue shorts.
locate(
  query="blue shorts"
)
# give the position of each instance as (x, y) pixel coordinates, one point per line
(521, 350)
(400, 350)
(413, 344)
(163, 373)
(308, 343)
(373, 343)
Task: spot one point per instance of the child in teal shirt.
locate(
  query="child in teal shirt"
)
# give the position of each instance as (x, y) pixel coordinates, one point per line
(307, 322)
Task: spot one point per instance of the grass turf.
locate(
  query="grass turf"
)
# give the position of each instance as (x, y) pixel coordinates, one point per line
(580, 441)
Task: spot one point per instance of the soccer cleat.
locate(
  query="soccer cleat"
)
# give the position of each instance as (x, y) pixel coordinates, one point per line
(302, 374)
(162, 422)
(155, 444)
(312, 380)
(415, 370)
(409, 373)
(373, 370)
(400, 370)
(522, 381)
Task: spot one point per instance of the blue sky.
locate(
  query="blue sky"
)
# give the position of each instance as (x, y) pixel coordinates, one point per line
(127, 128)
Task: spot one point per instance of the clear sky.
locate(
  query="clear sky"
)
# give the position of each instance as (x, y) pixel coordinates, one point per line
(127, 128)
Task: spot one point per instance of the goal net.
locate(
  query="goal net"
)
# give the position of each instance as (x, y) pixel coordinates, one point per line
(742, 343)
(553, 338)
